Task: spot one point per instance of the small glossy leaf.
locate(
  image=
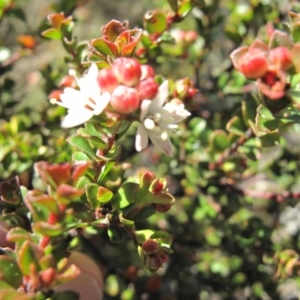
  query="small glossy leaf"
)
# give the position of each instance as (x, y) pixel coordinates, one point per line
(10, 271)
(164, 238)
(236, 126)
(47, 229)
(144, 213)
(104, 194)
(115, 234)
(104, 47)
(265, 113)
(125, 195)
(18, 235)
(126, 222)
(27, 257)
(91, 191)
(82, 144)
(184, 8)
(113, 29)
(219, 140)
(173, 4)
(52, 33)
(143, 235)
(80, 156)
(155, 22)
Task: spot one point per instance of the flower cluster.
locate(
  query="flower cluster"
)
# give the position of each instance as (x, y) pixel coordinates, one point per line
(128, 87)
(268, 64)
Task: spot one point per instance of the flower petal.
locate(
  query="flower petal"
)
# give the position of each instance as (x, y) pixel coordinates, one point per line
(75, 118)
(141, 139)
(101, 103)
(164, 145)
(144, 109)
(160, 98)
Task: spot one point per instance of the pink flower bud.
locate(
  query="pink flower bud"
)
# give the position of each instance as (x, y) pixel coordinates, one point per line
(147, 71)
(124, 100)
(107, 80)
(253, 66)
(127, 70)
(147, 89)
(280, 57)
(190, 36)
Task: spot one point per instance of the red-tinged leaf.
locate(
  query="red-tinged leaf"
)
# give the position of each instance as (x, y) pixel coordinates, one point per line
(56, 19)
(71, 273)
(79, 170)
(10, 271)
(48, 202)
(127, 41)
(103, 47)
(52, 33)
(280, 38)
(113, 29)
(18, 234)
(68, 192)
(104, 194)
(47, 229)
(155, 22)
(27, 255)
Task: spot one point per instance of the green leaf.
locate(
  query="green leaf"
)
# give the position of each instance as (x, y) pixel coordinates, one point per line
(10, 271)
(104, 47)
(290, 114)
(249, 107)
(155, 22)
(126, 222)
(52, 33)
(82, 144)
(266, 125)
(115, 234)
(236, 126)
(270, 139)
(18, 235)
(219, 140)
(125, 195)
(184, 9)
(46, 201)
(173, 4)
(143, 235)
(104, 194)
(164, 238)
(27, 257)
(144, 213)
(80, 156)
(265, 113)
(91, 191)
(47, 229)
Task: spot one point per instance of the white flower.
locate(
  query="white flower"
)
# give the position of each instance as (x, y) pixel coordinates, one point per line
(157, 121)
(84, 103)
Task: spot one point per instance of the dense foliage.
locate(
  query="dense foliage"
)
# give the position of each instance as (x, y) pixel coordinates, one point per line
(165, 148)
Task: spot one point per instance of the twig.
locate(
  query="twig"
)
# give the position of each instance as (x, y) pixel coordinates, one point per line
(232, 149)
